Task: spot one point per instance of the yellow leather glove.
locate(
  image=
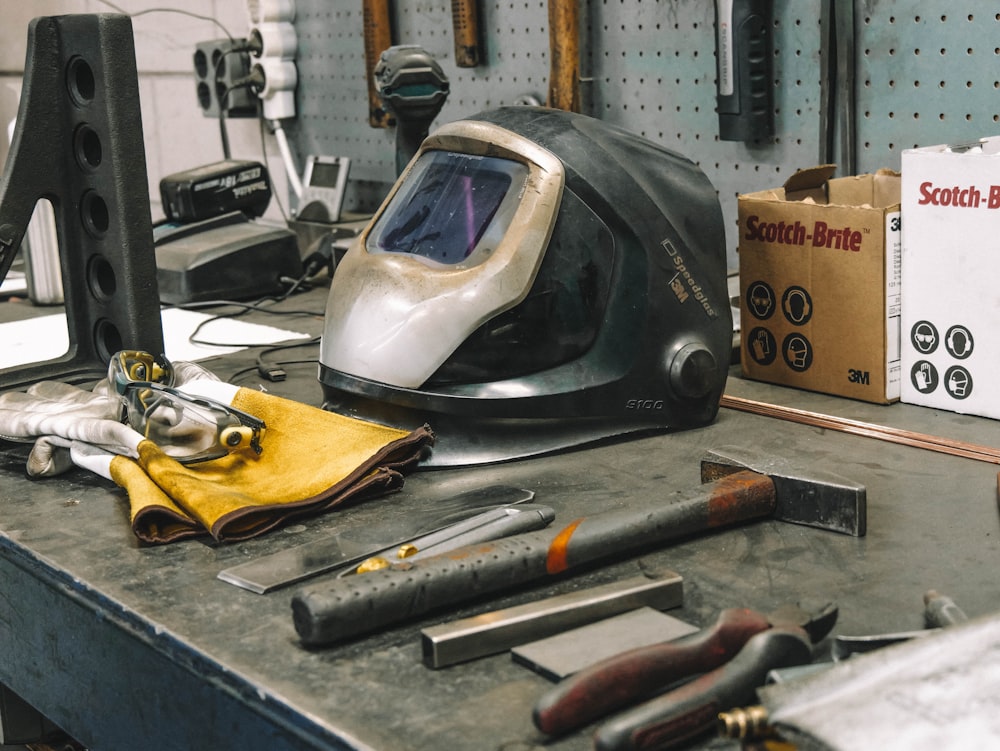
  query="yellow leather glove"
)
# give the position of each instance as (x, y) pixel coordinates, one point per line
(312, 460)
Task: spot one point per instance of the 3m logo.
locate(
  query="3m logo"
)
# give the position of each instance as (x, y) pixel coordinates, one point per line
(860, 377)
(678, 289)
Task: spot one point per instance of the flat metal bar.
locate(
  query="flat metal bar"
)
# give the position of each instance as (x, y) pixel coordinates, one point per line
(497, 631)
(560, 656)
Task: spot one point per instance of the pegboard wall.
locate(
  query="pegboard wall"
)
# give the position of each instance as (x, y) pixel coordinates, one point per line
(922, 77)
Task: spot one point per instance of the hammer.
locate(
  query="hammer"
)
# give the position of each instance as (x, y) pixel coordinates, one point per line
(735, 493)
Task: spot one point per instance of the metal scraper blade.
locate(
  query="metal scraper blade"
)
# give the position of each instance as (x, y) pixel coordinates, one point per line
(271, 572)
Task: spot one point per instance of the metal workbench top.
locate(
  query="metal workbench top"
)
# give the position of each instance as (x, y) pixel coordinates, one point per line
(130, 646)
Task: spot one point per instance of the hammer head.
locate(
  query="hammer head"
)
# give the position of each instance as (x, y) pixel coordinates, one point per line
(811, 497)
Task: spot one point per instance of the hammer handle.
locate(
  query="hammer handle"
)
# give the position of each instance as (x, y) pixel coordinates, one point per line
(378, 38)
(465, 26)
(359, 604)
(564, 55)
(622, 680)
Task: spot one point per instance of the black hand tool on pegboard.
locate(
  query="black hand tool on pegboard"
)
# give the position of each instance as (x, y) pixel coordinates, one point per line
(78, 143)
(413, 87)
(744, 69)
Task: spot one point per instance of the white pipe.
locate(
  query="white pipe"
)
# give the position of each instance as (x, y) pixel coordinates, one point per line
(286, 156)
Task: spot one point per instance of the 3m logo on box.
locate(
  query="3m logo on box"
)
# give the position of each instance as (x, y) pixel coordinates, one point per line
(819, 283)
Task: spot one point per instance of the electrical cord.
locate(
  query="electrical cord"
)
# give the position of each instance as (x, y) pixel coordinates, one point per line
(318, 261)
(313, 265)
(274, 371)
(254, 82)
(243, 309)
(252, 45)
(190, 14)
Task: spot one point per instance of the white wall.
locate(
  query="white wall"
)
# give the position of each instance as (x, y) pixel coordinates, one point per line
(177, 136)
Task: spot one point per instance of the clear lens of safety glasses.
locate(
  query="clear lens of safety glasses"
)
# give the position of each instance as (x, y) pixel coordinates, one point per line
(187, 428)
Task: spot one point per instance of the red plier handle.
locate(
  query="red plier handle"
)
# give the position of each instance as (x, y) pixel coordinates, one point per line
(685, 713)
(636, 675)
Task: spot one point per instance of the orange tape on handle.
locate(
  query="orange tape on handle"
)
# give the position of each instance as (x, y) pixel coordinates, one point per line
(557, 560)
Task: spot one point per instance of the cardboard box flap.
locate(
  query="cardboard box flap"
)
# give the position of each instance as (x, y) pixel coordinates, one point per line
(880, 191)
(809, 183)
(888, 187)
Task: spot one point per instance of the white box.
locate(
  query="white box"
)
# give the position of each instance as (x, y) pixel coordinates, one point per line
(951, 277)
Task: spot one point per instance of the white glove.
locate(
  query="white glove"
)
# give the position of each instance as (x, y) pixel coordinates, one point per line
(59, 414)
(59, 417)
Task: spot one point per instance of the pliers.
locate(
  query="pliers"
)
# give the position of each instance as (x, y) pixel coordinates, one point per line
(733, 657)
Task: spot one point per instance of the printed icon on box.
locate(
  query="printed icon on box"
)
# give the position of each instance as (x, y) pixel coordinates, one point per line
(798, 352)
(797, 305)
(762, 346)
(958, 382)
(958, 342)
(924, 377)
(924, 337)
(760, 300)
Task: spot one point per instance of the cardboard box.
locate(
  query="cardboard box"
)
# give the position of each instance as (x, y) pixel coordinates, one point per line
(819, 284)
(951, 277)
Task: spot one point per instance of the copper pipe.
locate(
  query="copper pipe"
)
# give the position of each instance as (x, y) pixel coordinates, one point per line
(868, 430)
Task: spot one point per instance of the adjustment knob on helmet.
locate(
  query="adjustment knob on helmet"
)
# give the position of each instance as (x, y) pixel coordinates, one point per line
(693, 371)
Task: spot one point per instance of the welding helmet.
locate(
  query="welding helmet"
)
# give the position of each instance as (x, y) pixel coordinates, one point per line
(535, 280)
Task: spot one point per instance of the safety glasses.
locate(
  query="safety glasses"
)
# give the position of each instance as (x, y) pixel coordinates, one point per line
(187, 428)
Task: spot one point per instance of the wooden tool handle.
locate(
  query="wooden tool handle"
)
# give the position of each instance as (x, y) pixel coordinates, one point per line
(378, 38)
(465, 25)
(564, 55)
